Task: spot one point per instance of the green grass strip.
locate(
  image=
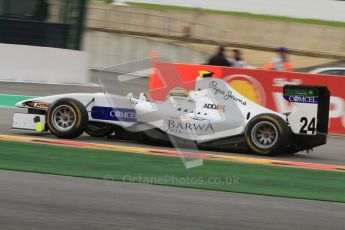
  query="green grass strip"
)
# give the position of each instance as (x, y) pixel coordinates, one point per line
(11, 100)
(240, 14)
(213, 175)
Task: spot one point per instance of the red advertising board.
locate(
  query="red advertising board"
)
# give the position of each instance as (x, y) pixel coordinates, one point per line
(261, 86)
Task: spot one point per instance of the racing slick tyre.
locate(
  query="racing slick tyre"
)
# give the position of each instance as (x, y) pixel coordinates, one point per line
(67, 118)
(97, 129)
(267, 134)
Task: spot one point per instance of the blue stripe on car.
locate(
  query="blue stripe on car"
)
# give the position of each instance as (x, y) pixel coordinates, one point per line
(113, 114)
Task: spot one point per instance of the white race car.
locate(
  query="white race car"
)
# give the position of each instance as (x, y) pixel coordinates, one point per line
(213, 115)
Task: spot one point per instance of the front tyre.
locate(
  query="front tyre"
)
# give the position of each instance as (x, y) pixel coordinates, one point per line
(67, 118)
(267, 134)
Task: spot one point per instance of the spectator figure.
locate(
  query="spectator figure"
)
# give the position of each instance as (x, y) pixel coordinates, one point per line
(219, 58)
(280, 62)
(237, 60)
(187, 31)
(41, 11)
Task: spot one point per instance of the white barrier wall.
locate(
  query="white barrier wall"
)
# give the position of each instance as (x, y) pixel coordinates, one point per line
(43, 64)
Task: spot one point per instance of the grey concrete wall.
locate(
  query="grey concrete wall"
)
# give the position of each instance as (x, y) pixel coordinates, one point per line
(106, 49)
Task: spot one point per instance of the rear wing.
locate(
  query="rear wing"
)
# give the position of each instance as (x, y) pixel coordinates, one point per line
(309, 120)
(312, 113)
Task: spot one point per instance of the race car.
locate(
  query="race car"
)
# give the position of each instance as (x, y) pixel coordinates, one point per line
(211, 115)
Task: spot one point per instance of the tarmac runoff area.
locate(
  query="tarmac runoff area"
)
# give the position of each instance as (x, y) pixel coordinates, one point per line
(35, 201)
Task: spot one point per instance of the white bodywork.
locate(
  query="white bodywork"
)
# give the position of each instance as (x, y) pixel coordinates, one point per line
(212, 111)
(27, 121)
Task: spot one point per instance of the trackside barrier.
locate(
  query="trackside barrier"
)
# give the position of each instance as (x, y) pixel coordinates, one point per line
(43, 64)
(261, 86)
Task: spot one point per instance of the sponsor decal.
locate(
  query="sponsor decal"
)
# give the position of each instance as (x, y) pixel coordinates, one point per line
(214, 106)
(248, 87)
(38, 124)
(299, 92)
(40, 105)
(280, 82)
(179, 127)
(301, 95)
(113, 114)
(302, 99)
(227, 94)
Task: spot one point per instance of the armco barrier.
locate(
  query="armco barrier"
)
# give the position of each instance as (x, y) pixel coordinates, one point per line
(42, 64)
(261, 86)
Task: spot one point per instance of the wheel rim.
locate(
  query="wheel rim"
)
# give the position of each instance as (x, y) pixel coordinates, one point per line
(64, 118)
(264, 134)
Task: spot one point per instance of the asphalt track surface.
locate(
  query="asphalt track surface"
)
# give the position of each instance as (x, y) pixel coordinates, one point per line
(35, 201)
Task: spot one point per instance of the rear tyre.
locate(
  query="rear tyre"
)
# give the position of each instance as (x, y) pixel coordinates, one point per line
(267, 134)
(67, 118)
(96, 129)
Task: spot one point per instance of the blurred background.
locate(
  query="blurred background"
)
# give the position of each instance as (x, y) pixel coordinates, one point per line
(112, 32)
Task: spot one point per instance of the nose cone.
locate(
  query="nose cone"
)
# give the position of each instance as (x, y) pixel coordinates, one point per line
(20, 104)
(24, 103)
